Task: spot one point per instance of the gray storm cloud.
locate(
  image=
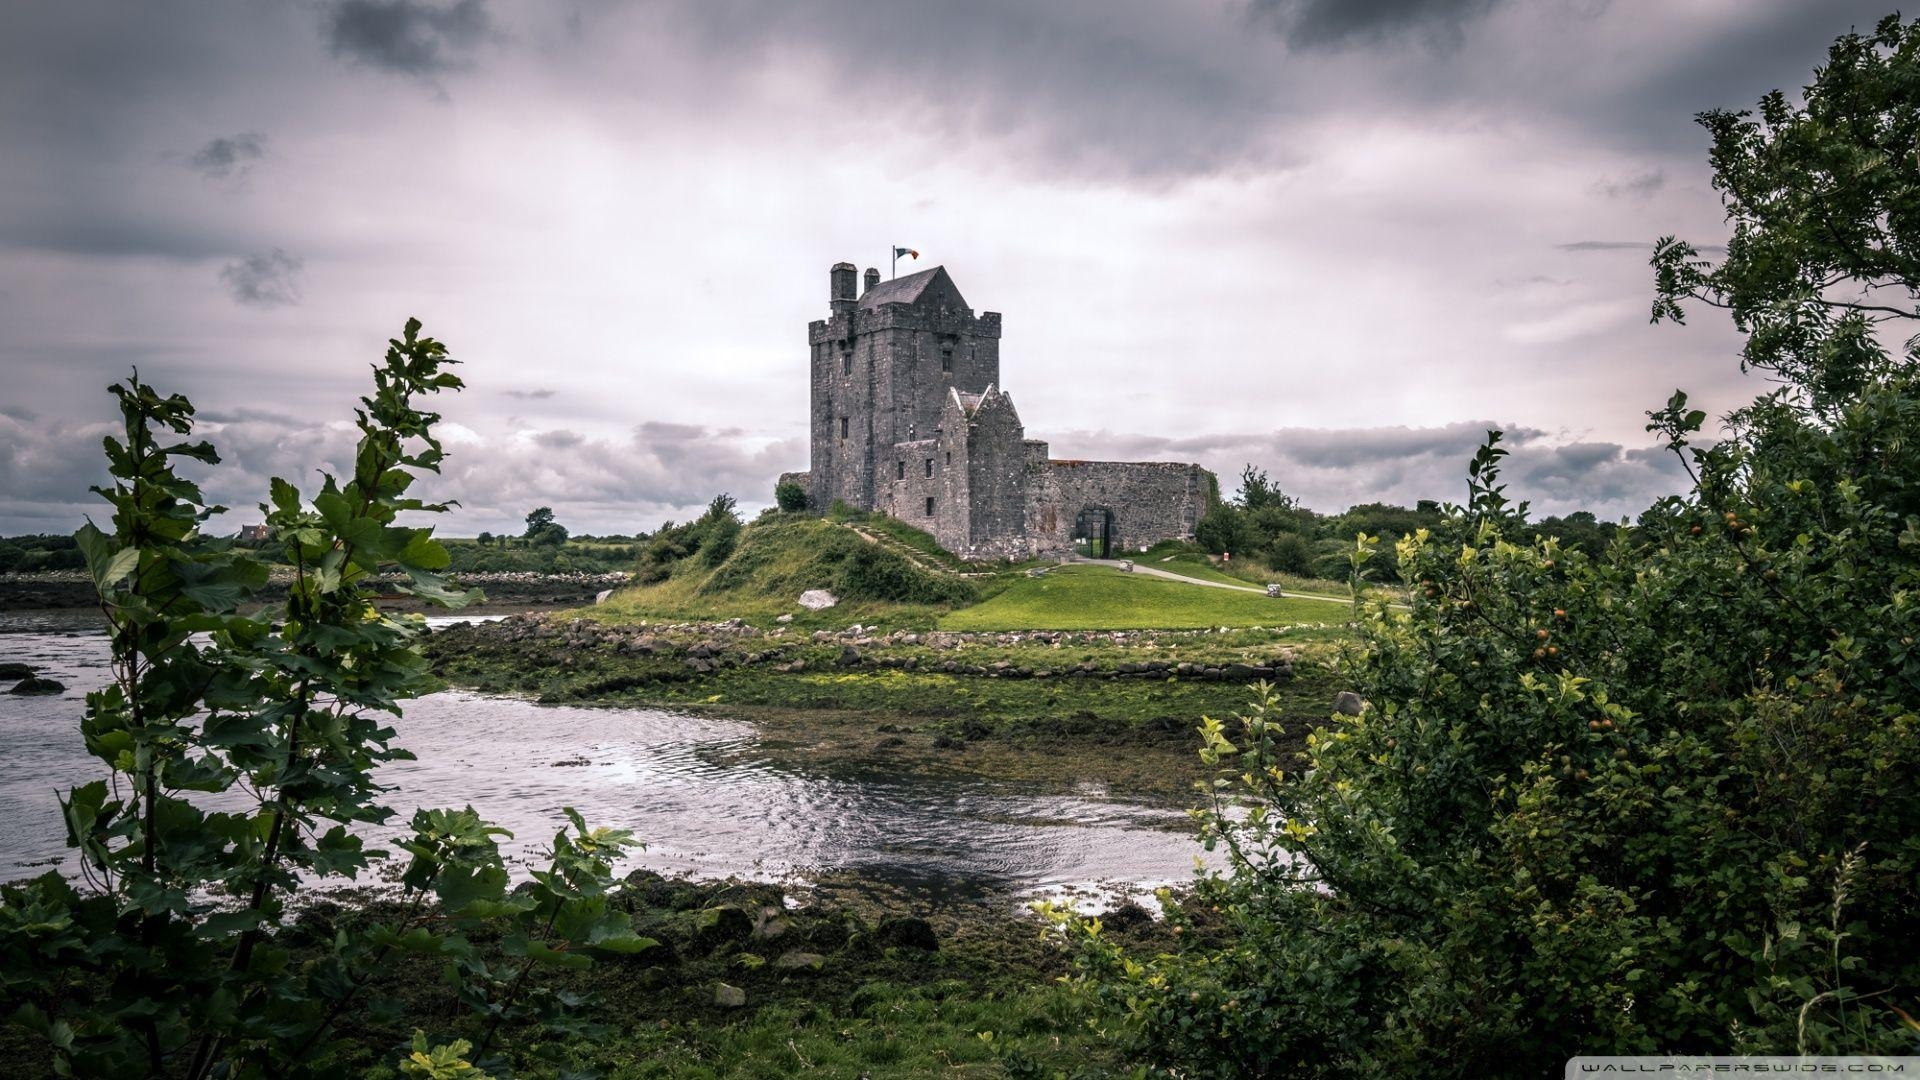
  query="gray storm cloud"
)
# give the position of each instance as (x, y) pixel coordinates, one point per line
(406, 37)
(1322, 24)
(1323, 237)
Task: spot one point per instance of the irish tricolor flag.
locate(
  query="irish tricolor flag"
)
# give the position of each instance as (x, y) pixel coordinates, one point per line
(899, 251)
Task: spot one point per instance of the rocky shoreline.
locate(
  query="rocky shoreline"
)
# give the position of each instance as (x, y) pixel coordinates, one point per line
(705, 648)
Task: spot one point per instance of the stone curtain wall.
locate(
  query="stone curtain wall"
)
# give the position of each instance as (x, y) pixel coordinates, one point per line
(1151, 501)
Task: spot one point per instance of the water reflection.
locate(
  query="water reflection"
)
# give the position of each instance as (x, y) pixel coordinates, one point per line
(690, 786)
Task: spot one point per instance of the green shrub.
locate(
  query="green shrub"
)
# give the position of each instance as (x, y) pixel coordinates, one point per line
(1226, 528)
(1290, 553)
(1654, 799)
(790, 497)
(870, 572)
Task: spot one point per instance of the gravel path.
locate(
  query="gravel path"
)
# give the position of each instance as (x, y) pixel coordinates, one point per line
(1140, 568)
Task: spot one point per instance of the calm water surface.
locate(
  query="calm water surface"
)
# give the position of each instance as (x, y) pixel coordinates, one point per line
(678, 781)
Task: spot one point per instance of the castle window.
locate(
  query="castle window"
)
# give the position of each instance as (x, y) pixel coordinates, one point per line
(846, 357)
(929, 506)
(843, 427)
(946, 358)
(949, 457)
(929, 466)
(901, 473)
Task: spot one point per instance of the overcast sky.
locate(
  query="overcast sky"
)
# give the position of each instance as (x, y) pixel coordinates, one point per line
(1335, 238)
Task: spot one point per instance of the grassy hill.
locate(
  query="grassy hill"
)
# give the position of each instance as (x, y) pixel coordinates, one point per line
(777, 558)
(1103, 598)
(887, 573)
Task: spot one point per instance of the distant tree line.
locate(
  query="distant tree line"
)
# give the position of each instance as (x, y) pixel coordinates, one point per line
(1264, 524)
(25, 554)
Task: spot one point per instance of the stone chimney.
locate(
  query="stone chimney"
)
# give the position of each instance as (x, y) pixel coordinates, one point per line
(873, 278)
(840, 295)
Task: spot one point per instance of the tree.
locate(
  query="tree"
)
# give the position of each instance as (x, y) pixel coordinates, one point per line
(543, 530)
(180, 926)
(719, 529)
(485, 539)
(1824, 261)
(1656, 798)
(1225, 528)
(1258, 493)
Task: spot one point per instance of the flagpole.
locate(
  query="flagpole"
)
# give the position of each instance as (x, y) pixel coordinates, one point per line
(894, 272)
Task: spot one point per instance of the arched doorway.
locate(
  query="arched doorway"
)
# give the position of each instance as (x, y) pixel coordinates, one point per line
(1093, 532)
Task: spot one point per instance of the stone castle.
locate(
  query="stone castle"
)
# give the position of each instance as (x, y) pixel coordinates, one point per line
(909, 419)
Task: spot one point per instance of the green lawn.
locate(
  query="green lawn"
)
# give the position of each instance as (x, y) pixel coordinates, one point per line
(1189, 561)
(1102, 598)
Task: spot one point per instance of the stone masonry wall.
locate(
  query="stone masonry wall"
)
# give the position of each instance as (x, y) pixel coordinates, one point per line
(1151, 501)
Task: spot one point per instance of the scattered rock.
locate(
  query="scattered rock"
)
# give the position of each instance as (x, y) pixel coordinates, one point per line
(907, 932)
(771, 926)
(784, 619)
(38, 686)
(890, 742)
(730, 997)
(849, 656)
(1348, 703)
(601, 596)
(817, 599)
(1274, 591)
(800, 961)
(15, 671)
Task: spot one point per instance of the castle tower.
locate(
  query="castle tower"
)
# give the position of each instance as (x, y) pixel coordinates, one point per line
(882, 366)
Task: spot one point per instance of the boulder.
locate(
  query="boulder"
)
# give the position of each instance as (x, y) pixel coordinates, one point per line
(729, 997)
(817, 599)
(1348, 703)
(800, 961)
(849, 656)
(717, 926)
(601, 596)
(784, 619)
(15, 671)
(38, 686)
(772, 926)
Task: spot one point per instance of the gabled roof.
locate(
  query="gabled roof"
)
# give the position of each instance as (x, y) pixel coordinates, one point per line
(971, 405)
(912, 288)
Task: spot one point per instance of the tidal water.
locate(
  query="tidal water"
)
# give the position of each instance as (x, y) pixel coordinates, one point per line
(689, 786)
